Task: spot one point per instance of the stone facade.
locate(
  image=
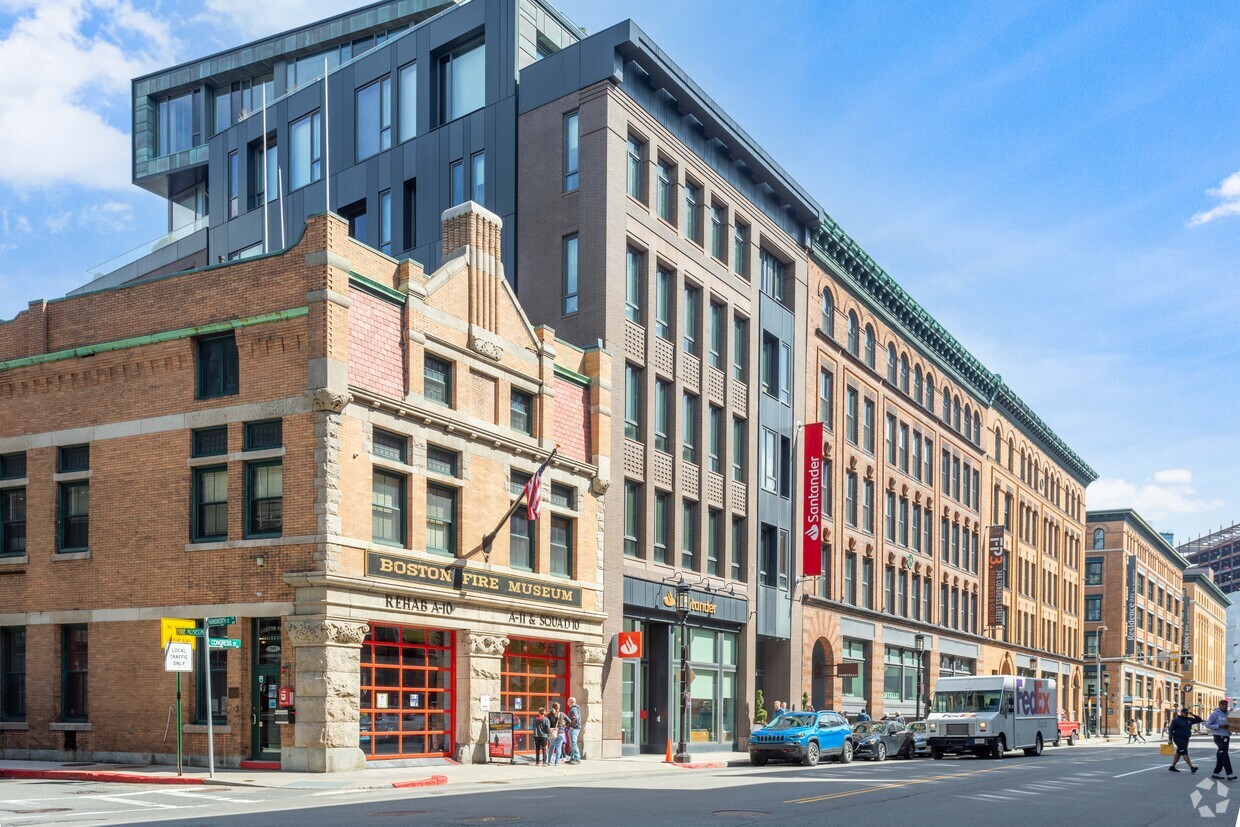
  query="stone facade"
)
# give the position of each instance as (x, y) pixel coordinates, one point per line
(1203, 650)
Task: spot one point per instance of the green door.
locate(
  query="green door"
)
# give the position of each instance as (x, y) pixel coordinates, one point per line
(265, 688)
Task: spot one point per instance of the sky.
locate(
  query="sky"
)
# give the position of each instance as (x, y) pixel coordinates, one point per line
(1057, 183)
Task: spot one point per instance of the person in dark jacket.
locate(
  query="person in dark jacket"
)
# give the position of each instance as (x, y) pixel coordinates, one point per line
(542, 732)
(1180, 729)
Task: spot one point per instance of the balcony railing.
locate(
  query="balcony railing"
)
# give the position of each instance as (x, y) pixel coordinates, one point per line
(114, 264)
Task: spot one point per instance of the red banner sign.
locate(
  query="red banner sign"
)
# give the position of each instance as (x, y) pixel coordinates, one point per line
(811, 530)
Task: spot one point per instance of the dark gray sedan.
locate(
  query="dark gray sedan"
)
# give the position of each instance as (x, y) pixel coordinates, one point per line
(877, 740)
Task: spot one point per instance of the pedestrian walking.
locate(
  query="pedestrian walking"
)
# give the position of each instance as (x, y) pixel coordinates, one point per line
(574, 731)
(1179, 730)
(542, 733)
(1217, 724)
(1132, 732)
(555, 741)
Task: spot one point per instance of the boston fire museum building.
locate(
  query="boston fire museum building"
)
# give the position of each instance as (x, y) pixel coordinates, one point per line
(321, 445)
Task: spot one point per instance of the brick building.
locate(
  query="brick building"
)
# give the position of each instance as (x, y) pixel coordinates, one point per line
(1134, 614)
(315, 442)
(1202, 648)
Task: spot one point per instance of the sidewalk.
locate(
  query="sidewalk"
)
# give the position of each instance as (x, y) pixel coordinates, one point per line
(373, 777)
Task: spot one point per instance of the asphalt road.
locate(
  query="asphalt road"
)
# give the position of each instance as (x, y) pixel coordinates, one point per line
(1095, 785)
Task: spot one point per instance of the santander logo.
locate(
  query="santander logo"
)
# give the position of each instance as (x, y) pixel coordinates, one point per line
(629, 647)
(629, 644)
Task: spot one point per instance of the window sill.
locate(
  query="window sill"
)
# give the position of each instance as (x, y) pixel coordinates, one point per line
(250, 542)
(69, 726)
(204, 397)
(71, 476)
(79, 554)
(16, 482)
(14, 560)
(201, 729)
(14, 726)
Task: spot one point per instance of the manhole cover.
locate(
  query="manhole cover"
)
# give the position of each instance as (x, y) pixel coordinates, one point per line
(740, 813)
(389, 813)
(487, 819)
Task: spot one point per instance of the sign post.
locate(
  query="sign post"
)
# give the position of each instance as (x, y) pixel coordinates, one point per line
(178, 658)
(209, 623)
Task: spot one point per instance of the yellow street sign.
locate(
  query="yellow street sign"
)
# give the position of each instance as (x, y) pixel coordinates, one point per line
(168, 631)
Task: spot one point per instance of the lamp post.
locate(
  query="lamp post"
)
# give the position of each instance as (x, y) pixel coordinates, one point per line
(919, 643)
(1106, 679)
(1098, 685)
(682, 614)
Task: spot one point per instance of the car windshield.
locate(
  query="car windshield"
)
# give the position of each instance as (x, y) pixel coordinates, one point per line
(869, 727)
(918, 726)
(976, 701)
(791, 721)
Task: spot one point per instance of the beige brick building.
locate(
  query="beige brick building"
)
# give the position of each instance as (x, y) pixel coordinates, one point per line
(1202, 647)
(316, 442)
(1134, 610)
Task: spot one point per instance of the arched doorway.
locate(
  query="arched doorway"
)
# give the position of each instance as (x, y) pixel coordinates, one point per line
(822, 676)
(1006, 667)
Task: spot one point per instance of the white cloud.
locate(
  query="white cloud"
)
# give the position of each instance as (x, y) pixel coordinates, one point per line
(1229, 192)
(1170, 493)
(12, 223)
(103, 216)
(64, 65)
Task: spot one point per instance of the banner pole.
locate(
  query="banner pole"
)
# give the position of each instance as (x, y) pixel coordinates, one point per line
(179, 768)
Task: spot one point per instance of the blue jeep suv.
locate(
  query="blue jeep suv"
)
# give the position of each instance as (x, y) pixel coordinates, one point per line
(804, 737)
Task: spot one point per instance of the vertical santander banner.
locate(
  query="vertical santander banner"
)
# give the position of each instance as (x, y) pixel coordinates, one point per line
(811, 507)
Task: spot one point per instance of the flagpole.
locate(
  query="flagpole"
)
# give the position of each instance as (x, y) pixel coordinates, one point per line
(489, 538)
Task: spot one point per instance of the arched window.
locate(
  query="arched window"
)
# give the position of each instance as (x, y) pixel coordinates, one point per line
(947, 405)
(998, 445)
(977, 427)
(930, 392)
(904, 372)
(1011, 453)
(968, 421)
(917, 384)
(1099, 538)
(891, 364)
(828, 313)
(869, 346)
(852, 334)
(956, 412)
(1024, 476)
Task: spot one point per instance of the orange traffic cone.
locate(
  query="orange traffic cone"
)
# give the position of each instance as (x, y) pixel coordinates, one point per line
(668, 758)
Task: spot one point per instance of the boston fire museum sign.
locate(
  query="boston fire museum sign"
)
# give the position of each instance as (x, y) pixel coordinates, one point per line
(457, 576)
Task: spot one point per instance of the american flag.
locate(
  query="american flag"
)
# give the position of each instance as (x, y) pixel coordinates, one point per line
(533, 490)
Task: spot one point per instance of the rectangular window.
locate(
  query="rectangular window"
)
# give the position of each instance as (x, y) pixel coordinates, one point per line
(389, 445)
(12, 521)
(740, 348)
(564, 496)
(462, 81)
(632, 401)
(259, 436)
(867, 582)
(385, 222)
(715, 335)
(771, 272)
(264, 496)
(437, 380)
(867, 506)
(217, 366)
(441, 520)
(770, 460)
(234, 185)
(209, 442)
(850, 579)
(632, 518)
(785, 373)
(662, 526)
(693, 212)
(768, 560)
(521, 531)
(826, 398)
(738, 449)
(740, 248)
(688, 536)
(667, 183)
(521, 412)
(867, 426)
(718, 224)
(74, 516)
(478, 178)
(693, 307)
(737, 553)
(456, 182)
(73, 673)
(359, 224)
(662, 415)
(562, 546)
(408, 101)
(770, 365)
(12, 673)
(715, 438)
(1093, 608)
(572, 144)
(635, 267)
(570, 275)
(374, 118)
(305, 151)
(1093, 572)
(442, 461)
(664, 284)
(218, 669)
(714, 528)
(889, 516)
(890, 439)
(636, 168)
(210, 503)
(179, 126)
(689, 442)
(850, 499)
(850, 415)
(903, 447)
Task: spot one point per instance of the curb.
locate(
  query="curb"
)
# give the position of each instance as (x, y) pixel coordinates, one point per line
(702, 765)
(433, 781)
(113, 777)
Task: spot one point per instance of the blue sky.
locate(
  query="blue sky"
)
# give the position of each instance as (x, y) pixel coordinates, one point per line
(1057, 183)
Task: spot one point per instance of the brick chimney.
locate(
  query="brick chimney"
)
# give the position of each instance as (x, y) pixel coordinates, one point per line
(472, 232)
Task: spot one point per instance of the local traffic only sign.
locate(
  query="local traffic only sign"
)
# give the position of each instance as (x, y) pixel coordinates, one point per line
(178, 657)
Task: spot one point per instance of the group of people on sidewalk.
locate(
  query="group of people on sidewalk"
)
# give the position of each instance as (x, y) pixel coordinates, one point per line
(1181, 728)
(553, 730)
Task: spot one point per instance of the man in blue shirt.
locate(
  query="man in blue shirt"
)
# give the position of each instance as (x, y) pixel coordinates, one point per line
(1217, 724)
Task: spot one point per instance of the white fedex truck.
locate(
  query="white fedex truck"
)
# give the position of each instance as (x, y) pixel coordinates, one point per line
(989, 715)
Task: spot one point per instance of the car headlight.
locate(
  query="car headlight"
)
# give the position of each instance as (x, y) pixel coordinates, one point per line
(870, 741)
(981, 725)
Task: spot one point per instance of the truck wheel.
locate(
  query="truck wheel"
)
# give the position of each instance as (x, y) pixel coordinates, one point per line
(846, 754)
(811, 755)
(1000, 747)
(1036, 749)
(1072, 739)
(936, 753)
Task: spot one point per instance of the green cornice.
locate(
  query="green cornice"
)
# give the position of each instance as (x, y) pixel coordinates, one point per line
(153, 338)
(835, 249)
(1128, 515)
(572, 376)
(374, 288)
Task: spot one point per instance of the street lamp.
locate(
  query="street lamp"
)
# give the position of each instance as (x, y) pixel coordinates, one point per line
(682, 614)
(1098, 685)
(1106, 679)
(919, 643)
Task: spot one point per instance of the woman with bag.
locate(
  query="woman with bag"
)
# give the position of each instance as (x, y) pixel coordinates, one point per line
(542, 732)
(555, 742)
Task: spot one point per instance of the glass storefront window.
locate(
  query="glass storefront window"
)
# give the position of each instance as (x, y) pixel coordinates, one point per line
(534, 673)
(854, 652)
(727, 706)
(702, 646)
(712, 692)
(729, 643)
(703, 710)
(406, 692)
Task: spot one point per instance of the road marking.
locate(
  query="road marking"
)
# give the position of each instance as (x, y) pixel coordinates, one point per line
(1020, 792)
(994, 797)
(200, 797)
(909, 783)
(1134, 772)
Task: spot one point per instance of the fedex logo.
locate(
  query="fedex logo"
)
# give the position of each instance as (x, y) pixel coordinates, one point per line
(1032, 699)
